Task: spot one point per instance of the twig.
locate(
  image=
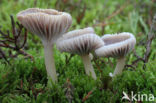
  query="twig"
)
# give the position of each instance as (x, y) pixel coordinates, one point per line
(25, 39)
(87, 96)
(81, 15)
(25, 54)
(13, 42)
(98, 67)
(151, 36)
(69, 90)
(131, 66)
(138, 58)
(112, 15)
(68, 58)
(4, 56)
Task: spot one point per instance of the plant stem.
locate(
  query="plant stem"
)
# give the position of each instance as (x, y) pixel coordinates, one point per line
(120, 66)
(50, 63)
(88, 66)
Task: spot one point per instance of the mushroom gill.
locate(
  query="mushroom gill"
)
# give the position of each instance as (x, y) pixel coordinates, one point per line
(118, 45)
(48, 24)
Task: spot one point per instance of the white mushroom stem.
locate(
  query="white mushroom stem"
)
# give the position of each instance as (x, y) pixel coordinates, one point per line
(88, 66)
(50, 63)
(120, 66)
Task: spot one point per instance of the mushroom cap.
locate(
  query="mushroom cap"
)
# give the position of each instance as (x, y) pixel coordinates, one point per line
(78, 32)
(117, 45)
(48, 24)
(80, 41)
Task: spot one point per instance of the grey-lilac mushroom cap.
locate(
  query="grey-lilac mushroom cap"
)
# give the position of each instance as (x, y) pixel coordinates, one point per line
(80, 41)
(48, 24)
(78, 32)
(117, 45)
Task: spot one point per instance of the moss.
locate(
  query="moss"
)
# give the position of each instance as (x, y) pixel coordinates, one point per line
(24, 81)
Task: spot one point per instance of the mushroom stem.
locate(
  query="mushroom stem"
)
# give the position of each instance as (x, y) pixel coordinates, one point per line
(88, 66)
(50, 63)
(120, 66)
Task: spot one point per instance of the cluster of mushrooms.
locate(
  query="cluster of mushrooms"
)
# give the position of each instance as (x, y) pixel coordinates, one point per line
(51, 26)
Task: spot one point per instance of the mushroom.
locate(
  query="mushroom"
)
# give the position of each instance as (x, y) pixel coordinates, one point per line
(117, 45)
(49, 25)
(81, 42)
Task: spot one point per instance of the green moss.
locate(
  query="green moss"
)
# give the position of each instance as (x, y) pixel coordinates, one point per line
(24, 81)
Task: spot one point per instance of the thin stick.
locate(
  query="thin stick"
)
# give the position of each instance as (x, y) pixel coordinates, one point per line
(112, 15)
